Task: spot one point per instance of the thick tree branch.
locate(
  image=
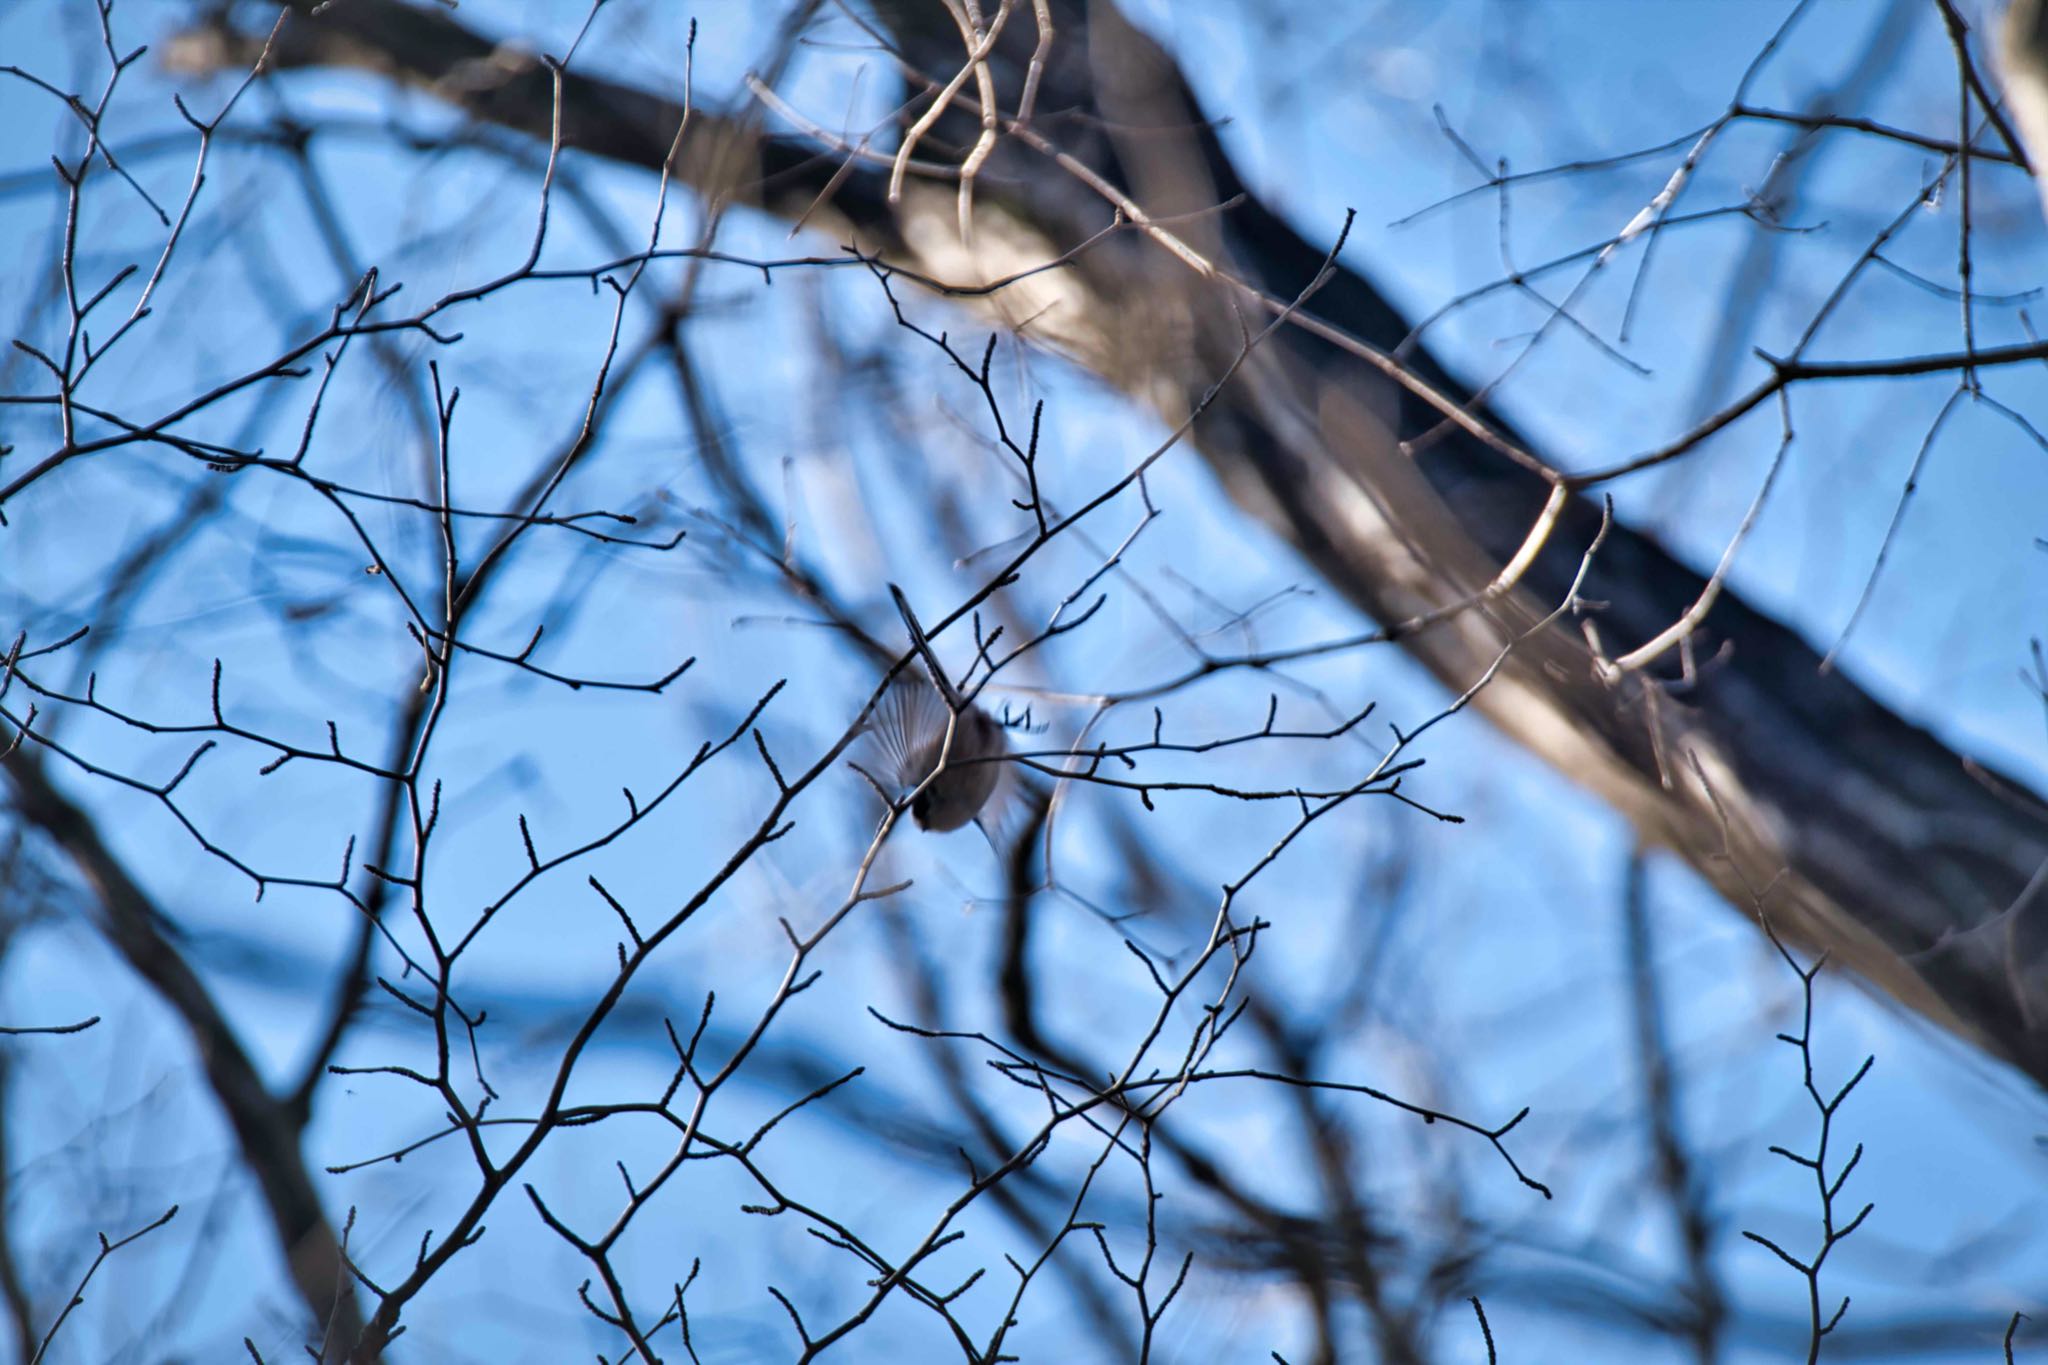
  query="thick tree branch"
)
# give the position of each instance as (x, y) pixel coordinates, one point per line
(1889, 850)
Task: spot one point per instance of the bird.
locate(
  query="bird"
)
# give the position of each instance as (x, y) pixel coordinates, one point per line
(910, 724)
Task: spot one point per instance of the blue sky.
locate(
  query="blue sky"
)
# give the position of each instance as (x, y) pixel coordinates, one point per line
(1494, 945)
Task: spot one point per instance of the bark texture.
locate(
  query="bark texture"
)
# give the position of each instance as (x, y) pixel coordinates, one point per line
(1876, 842)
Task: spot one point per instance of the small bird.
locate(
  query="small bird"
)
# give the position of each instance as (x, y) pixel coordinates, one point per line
(909, 727)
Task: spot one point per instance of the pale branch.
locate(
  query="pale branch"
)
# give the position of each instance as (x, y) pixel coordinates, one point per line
(1819, 778)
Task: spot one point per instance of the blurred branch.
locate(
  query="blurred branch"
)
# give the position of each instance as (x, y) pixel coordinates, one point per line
(1677, 1176)
(2021, 55)
(263, 1124)
(1818, 778)
(20, 1313)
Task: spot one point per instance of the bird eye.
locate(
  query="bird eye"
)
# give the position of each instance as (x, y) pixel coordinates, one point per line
(921, 809)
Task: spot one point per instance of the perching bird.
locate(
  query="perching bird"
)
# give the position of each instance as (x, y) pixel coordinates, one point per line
(909, 726)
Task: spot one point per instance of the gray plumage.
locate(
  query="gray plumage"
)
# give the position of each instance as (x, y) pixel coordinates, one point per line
(909, 729)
